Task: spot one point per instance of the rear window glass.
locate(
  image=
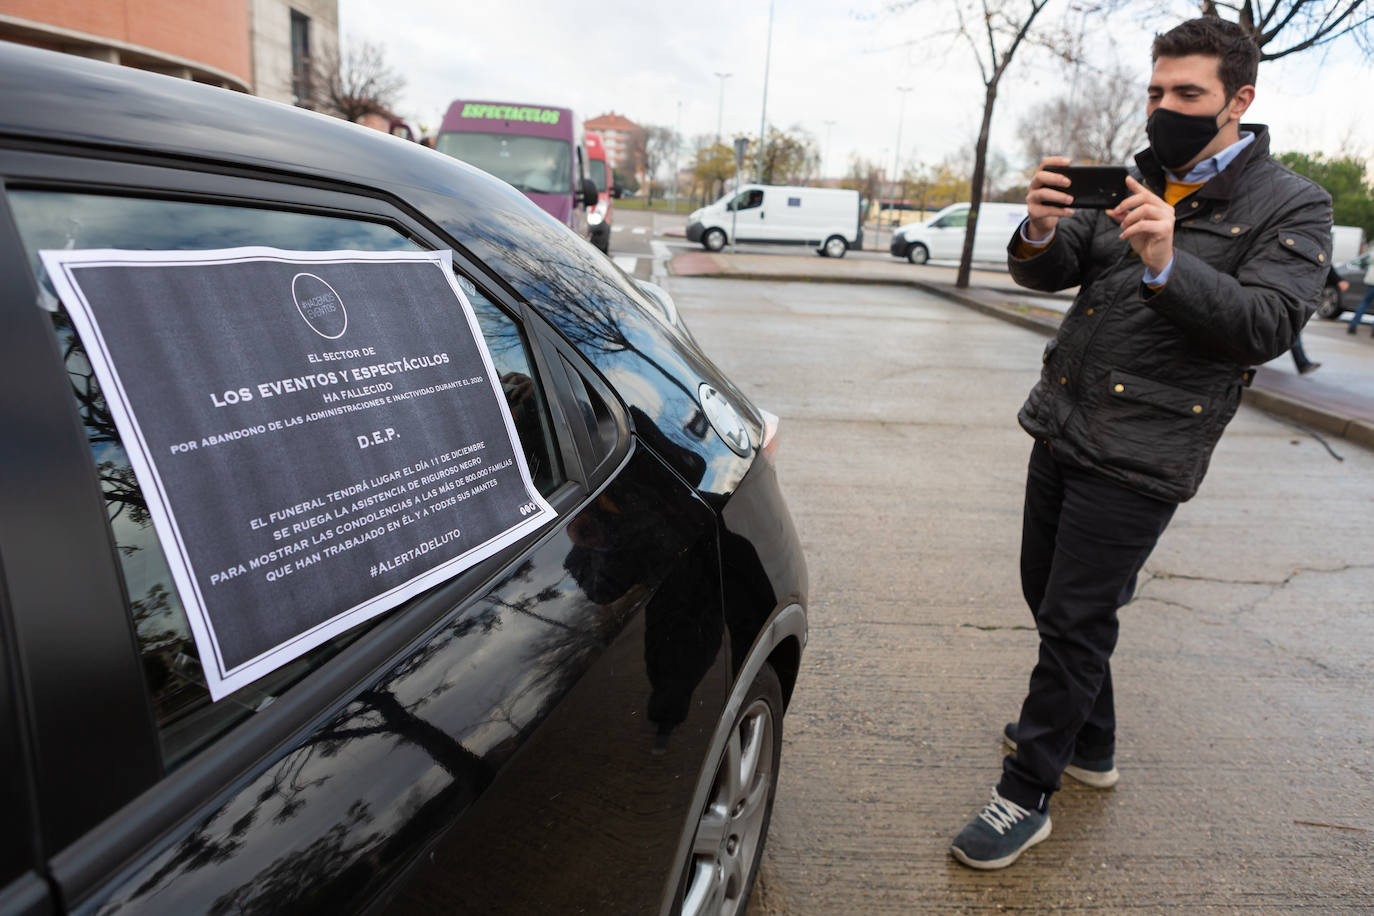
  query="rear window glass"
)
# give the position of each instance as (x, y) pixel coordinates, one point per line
(187, 719)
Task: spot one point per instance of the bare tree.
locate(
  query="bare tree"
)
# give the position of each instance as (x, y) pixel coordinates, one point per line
(357, 82)
(995, 31)
(659, 143)
(1103, 122)
(1283, 27)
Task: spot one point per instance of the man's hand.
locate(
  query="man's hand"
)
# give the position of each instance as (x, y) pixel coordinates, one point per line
(1046, 186)
(1344, 285)
(1147, 222)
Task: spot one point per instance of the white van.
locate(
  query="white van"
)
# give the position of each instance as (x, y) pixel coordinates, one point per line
(1347, 243)
(941, 238)
(825, 217)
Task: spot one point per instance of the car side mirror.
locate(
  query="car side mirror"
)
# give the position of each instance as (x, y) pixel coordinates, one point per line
(588, 192)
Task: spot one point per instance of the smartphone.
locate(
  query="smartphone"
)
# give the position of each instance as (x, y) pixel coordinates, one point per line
(1094, 187)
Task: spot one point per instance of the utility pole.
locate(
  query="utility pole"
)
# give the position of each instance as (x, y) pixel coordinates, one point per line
(720, 109)
(763, 117)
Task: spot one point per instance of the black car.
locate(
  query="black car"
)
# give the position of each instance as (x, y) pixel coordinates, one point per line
(1334, 301)
(582, 716)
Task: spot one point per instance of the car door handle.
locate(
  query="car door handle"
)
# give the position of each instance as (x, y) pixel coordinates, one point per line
(760, 214)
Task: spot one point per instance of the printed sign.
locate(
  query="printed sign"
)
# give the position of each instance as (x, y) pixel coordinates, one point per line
(319, 435)
(511, 113)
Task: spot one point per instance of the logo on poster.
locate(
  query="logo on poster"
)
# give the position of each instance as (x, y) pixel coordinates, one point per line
(319, 305)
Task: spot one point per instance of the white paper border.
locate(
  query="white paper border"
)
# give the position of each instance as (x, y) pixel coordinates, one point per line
(221, 681)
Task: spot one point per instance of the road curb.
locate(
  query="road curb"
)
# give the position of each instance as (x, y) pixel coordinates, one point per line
(1309, 414)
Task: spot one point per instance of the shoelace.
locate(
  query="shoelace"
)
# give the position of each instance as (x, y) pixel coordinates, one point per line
(1000, 814)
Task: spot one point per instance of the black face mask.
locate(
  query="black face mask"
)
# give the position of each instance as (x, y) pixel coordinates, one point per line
(1176, 138)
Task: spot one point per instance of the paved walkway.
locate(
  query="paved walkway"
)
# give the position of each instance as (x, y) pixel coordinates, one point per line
(1337, 399)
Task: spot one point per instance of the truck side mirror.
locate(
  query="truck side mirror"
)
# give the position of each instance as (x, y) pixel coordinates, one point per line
(588, 193)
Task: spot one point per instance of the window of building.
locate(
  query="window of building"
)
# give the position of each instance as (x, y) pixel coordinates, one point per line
(302, 65)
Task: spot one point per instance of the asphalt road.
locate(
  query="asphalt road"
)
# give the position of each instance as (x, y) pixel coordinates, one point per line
(1244, 674)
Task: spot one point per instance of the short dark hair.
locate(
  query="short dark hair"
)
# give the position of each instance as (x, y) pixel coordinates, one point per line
(1236, 52)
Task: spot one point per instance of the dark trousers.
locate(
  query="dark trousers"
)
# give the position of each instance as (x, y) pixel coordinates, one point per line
(1083, 542)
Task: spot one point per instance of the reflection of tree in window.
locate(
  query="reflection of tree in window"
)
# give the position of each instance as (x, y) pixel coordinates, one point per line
(510, 356)
(187, 720)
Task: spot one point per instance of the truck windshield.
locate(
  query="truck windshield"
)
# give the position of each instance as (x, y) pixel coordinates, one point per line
(535, 165)
(598, 171)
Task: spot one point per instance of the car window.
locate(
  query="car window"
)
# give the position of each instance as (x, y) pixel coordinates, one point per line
(955, 220)
(187, 719)
(748, 200)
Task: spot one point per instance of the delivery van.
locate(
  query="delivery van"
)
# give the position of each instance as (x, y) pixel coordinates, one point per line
(599, 218)
(941, 237)
(539, 149)
(828, 218)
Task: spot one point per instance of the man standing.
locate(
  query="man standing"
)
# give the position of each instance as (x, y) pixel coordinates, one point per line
(1212, 263)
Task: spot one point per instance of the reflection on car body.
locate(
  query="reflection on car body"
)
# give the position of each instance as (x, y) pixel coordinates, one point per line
(542, 733)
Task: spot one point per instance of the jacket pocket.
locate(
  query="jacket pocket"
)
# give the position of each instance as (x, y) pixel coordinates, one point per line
(1152, 428)
(1141, 390)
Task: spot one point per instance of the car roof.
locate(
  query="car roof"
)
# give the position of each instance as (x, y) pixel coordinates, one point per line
(46, 95)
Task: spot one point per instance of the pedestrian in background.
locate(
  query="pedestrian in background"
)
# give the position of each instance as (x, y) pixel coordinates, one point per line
(1368, 296)
(1212, 263)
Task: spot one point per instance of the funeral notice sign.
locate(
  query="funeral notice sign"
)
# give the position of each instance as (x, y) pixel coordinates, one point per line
(318, 435)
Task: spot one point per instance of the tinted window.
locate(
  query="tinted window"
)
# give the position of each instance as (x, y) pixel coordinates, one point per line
(187, 719)
(956, 220)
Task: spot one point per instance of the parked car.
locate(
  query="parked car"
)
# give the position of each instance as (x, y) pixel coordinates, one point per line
(942, 236)
(584, 716)
(1334, 302)
(828, 218)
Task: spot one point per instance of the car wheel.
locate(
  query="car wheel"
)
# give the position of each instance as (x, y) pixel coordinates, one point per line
(918, 254)
(733, 825)
(713, 240)
(1330, 306)
(834, 247)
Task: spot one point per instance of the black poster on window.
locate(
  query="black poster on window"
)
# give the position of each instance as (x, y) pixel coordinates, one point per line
(319, 435)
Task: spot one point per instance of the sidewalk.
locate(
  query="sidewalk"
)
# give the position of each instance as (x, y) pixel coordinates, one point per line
(1337, 399)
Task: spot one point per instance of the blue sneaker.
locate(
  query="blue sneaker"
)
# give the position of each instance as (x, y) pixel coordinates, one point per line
(999, 833)
(1100, 774)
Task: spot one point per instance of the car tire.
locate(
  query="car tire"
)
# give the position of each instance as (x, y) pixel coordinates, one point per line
(1330, 306)
(834, 247)
(918, 254)
(733, 818)
(713, 240)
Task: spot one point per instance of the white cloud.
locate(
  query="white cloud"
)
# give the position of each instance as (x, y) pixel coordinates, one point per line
(829, 62)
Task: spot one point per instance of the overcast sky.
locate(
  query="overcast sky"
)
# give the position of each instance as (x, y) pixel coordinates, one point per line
(656, 62)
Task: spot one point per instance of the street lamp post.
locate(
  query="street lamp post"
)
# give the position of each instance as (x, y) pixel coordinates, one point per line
(763, 116)
(896, 162)
(677, 141)
(720, 109)
(825, 154)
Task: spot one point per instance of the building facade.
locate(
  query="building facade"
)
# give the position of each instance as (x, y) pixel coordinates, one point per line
(292, 43)
(272, 48)
(206, 41)
(620, 136)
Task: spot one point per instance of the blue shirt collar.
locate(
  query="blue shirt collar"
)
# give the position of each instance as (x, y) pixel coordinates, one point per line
(1213, 166)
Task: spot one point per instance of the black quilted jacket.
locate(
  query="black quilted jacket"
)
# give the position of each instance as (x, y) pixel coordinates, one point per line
(1138, 385)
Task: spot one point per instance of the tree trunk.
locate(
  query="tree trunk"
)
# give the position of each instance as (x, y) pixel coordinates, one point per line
(980, 158)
